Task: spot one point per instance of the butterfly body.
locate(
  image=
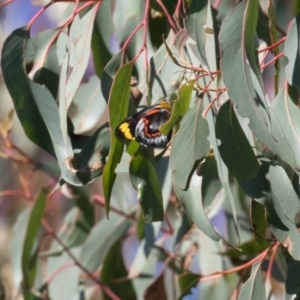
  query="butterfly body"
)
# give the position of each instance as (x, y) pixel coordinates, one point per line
(144, 126)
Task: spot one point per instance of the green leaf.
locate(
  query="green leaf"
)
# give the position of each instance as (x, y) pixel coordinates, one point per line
(292, 283)
(247, 249)
(146, 266)
(48, 73)
(101, 238)
(242, 86)
(180, 107)
(259, 223)
(103, 29)
(274, 39)
(250, 38)
(254, 287)
(235, 148)
(13, 68)
(49, 111)
(59, 287)
(282, 213)
(118, 107)
(86, 219)
(114, 269)
(144, 179)
(91, 159)
(164, 75)
(189, 146)
(79, 48)
(192, 202)
(196, 26)
(186, 282)
(291, 50)
(29, 255)
(109, 74)
(223, 172)
(88, 106)
(286, 140)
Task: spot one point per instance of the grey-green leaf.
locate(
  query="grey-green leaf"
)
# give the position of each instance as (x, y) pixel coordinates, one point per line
(235, 148)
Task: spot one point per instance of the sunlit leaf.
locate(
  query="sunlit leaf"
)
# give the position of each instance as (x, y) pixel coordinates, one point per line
(189, 146)
(196, 26)
(180, 107)
(291, 51)
(80, 47)
(282, 213)
(192, 203)
(118, 106)
(243, 90)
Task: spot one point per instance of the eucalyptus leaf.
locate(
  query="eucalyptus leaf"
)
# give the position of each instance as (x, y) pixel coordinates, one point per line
(291, 51)
(254, 287)
(144, 179)
(118, 106)
(29, 254)
(235, 148)
(189, 146)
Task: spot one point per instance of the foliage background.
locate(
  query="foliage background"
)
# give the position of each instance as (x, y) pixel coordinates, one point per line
(223, 227)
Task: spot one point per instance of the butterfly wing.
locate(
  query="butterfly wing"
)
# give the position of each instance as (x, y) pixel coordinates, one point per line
(144, 126)
(147, 129)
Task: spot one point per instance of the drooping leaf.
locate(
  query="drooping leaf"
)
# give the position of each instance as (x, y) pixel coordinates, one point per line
(223, 171)
(192, 202)
(187, 282)
(90, 161)
(102, 237)
(86, 220)
(292, 283)
(80, 48)
(254, 287)
(274, 39)
(60, 288)
(286, 138)
(196, 27)
(103, 30)
(144, 179)
(180, 107)
(12, 64)
(189, 146)
(250, 40)
(259, 223)
(243, 89)
(235, 148)
(46, 62)
(29, 255)
(114, 269)
(282, 204)
(291, 51)
(164, 75)
(118, 106)
(146, 266)
(88, 106)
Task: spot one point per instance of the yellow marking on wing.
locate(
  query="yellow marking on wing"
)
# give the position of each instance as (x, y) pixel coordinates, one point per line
(124, 128)
(165, 105)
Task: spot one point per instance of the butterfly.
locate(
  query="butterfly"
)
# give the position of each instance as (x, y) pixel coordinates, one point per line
(143, 127)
